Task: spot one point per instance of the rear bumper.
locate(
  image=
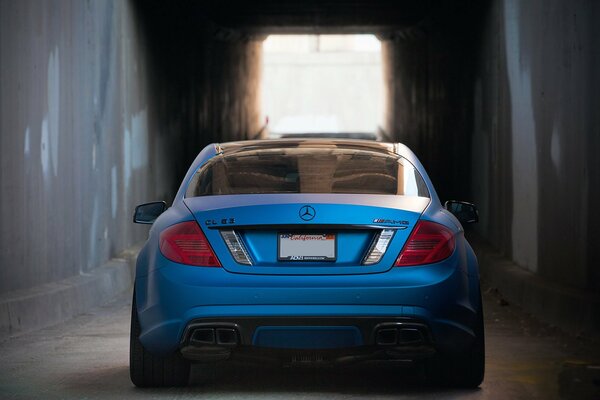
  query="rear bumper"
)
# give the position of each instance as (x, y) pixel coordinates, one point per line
(439, 298)
(306, 340)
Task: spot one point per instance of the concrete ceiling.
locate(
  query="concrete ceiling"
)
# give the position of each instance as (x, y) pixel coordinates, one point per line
(235, 20)
(331, 16)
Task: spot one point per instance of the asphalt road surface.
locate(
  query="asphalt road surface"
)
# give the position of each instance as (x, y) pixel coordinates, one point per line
(87, 358)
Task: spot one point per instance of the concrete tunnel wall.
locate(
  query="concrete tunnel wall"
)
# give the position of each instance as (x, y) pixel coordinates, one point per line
(427, 75)
(536, 137)
(535, 143)
(502, 108)
(209, 79)
(98, 115)
(76, 147)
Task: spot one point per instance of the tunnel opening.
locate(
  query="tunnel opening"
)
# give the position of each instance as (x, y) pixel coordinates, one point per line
(322, 85)
(216, 77)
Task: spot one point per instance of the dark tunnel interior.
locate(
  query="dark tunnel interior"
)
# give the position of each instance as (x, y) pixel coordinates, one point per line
(497, 98)
(205, 63)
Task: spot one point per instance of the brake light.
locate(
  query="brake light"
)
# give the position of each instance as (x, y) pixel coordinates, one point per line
(186, 244)
(428, 243)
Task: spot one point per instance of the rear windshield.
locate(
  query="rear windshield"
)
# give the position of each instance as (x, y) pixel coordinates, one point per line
(307, 170)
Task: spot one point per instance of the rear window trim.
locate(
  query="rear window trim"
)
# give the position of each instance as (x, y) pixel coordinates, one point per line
(219, 155)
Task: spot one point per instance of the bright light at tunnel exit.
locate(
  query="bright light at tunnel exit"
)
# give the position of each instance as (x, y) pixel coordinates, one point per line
(322, 84)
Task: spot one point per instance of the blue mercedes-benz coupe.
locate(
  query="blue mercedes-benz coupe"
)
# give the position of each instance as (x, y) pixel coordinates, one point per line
(305, 251)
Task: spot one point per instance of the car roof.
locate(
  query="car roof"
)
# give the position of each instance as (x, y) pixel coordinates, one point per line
(229, 148)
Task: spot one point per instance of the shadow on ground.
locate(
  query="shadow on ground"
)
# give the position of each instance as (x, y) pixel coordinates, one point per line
(236, 380)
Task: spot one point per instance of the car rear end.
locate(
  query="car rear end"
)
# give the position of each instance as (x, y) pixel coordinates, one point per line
(306, 252)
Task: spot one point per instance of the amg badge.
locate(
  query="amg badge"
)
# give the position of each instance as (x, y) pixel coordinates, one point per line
(390, 221)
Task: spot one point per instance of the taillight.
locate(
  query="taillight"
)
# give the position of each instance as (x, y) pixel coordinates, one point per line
(379, 247)
(428, 243)
(186, 244)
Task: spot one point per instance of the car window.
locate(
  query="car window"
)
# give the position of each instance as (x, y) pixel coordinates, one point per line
(307, 170)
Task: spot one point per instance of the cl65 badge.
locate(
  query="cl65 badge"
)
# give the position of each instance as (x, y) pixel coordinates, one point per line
(222, 221)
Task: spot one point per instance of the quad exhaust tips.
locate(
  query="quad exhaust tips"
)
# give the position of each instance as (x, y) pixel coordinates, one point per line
(221, 340)
(208, 343)
(398, 335)
(385, 334)
(227, 337)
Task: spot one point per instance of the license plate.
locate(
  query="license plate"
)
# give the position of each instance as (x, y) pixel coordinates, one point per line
(307, 247)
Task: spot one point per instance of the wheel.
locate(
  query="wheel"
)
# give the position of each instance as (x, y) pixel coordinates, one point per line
(465, 370)
(147, 370)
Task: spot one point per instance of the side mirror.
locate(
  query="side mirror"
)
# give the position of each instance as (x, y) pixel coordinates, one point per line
(147, 213)
(465, 212)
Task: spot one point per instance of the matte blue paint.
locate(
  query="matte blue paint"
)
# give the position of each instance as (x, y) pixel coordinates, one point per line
(263, 245)
(169, 295)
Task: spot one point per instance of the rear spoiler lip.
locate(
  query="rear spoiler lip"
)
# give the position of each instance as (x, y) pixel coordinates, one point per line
(215, 202)
(307, 227)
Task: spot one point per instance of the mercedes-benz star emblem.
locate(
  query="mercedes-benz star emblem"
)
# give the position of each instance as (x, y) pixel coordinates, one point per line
(307, 213)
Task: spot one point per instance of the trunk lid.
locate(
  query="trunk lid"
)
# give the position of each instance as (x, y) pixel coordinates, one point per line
(275, 228)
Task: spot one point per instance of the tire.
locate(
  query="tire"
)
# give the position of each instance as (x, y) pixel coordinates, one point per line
(464, 370)
(147, 370)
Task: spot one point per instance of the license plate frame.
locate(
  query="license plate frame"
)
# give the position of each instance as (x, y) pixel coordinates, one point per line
(307, 246)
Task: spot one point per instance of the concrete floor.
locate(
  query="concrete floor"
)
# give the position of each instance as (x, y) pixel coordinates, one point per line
(87, 357)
